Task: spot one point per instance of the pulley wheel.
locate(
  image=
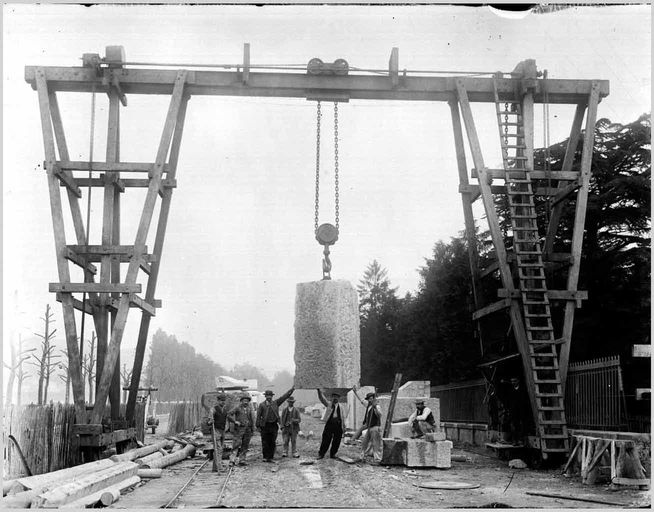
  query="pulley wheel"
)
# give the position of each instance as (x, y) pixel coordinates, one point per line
(326, 234)
(315, 66)
(341, 67)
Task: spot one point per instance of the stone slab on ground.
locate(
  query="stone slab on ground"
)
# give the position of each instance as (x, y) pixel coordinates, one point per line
(422, 454)
(405, 406)
(394, 452)
(327, 344)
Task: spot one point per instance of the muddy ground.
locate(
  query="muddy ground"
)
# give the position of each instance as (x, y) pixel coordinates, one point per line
(331, 483)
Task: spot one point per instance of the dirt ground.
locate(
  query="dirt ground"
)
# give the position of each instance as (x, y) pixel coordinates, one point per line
(331, 483)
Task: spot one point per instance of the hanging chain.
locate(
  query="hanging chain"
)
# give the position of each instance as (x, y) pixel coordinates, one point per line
(506, 123)
(336, 163)
(318, 116)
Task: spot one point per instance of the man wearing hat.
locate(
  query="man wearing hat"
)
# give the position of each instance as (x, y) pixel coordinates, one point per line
(421, 420)
(267, 422)
(218, 421)
(372, 439)
(334, 418)
(242, 419)
(290, 426)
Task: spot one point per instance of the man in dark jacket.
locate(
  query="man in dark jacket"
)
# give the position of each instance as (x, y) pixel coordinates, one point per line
(242, 419)
(268, 422)
(290, 427)
(218, 421)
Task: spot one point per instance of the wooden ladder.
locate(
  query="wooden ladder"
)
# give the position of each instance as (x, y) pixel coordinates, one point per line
(551, 423)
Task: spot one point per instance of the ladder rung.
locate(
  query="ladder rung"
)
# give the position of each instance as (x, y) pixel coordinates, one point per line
(550, 422)
(550, 407)
(518, 251)
(553, 436)
(532, 328)
(530, 265)
(547, 395)
(537, 315)
(555, 450)
(526, 216)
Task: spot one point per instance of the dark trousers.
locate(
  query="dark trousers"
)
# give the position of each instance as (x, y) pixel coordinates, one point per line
(269, 439)
(331, 435)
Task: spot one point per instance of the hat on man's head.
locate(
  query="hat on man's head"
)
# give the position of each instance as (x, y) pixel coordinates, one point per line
(370, 395)
(268, 392)
(290, 399)
(420, 402)
(246, 396)
(221, 396)
(334, 393)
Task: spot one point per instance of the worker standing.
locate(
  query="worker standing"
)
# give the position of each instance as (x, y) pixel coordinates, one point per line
(334, 417)
(268, 422)
(371, 443)
(242, 417)
(218, 421)
(290, 422)
(421, 420)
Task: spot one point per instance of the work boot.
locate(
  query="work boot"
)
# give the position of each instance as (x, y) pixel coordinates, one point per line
(285, 454)
(296, 455)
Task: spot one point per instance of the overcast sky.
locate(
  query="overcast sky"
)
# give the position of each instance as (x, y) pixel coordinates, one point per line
(240, 233)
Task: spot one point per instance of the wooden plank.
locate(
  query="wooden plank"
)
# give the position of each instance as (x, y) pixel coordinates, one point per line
(558, 194)
(391, 405)
(578, 229)
(158, 248)
(107, 167)
(71, 255)
(68, 182)
(500, 174)
(568, 159)
(95, 287)
(491, 308)
(141, 235)
(565, 191)
(134, 302)
(515, 311)
(570, 295)
(631, 481)
(295, 85)
(124, 182)
(60, 244)
(77, 304)
(108, 249)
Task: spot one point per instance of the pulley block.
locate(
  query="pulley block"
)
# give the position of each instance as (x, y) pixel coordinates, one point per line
(339, 67)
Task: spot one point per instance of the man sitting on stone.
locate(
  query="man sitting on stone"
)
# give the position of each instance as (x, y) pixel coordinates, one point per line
(290, 422)
(421, 420)
(334, 418)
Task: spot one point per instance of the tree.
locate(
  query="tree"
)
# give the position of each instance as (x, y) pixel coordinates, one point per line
(126, 376)
(46, 362)
(18, 356)
(378, 314)
(88, 366)
(65, 377)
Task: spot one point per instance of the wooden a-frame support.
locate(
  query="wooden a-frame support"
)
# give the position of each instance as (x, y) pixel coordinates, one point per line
(110, 298)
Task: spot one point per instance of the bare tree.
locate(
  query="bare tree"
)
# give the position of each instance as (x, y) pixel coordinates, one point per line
(45, 364)
(18, 355)
(65, 377)
(126, 376)
(88, 367)
(22, 374)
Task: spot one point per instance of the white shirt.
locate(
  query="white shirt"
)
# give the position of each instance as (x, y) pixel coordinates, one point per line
(422, 417)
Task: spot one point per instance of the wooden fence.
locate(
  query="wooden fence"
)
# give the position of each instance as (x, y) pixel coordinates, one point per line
(594, 396)
(45, 436)
(462, 401)
(184, 416)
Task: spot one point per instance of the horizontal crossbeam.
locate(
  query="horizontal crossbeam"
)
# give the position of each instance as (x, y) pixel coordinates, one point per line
(69, 165)
(302, 85)
(500, 174)
(491, 308)
(551, 294)
(123, 183)
(95, 288)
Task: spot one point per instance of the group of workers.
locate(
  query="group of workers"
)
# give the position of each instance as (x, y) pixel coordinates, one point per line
(269, 419)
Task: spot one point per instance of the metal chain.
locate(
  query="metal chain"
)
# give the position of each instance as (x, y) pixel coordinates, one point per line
(318, 116)
(336, 163)
(506, 126)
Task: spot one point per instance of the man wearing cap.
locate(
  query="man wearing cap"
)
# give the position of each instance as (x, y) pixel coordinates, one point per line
(290, 426)
(334, 418)
(218, 421)
(242, 418)
(421, 420)
(267, 422)
(372, 439)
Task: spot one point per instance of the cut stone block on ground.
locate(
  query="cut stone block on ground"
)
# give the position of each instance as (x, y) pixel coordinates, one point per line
(327, 344)
(427, 454)
(394, 451)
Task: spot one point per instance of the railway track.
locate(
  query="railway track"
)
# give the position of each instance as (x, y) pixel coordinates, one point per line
(199, 490)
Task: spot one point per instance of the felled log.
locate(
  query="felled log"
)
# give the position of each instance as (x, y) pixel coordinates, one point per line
(150, 472)
(187, 451)
(144, 461)
(28, 483)
(105, 496)
(85, 485)
(142, 452)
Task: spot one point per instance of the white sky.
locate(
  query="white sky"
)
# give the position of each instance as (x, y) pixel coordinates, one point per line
(240, 232)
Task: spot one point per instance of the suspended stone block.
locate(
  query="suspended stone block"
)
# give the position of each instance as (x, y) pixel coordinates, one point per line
(327, 345)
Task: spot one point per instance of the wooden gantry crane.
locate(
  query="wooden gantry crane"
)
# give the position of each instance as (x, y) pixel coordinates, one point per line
(109, 298)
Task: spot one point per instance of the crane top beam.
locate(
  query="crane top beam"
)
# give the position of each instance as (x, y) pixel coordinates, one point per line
(245, 82)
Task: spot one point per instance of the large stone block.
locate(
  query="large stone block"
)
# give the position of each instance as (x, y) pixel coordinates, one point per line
(327, 345)
(404, 407)
(411, 388)
(394, 452)
(401, 429)
(421, 454)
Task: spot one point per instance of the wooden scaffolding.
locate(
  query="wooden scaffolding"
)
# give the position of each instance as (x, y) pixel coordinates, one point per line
(122, 263)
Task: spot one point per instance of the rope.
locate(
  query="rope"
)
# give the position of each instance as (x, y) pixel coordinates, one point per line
(88, 223)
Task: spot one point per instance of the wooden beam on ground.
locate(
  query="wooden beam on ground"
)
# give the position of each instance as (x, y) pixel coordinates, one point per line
(296, 85)
(491, 308)
(104, 497)
(578, 228)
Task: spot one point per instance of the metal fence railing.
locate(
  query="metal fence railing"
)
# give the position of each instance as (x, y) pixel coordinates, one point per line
(462, 401)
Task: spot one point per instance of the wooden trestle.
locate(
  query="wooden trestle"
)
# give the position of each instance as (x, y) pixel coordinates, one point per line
(121, 262)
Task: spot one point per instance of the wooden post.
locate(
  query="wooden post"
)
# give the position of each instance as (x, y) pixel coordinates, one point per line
(60, 245)
(498, 242)
(154, 269)
(391, 405)
(578, 230)
(139, 246)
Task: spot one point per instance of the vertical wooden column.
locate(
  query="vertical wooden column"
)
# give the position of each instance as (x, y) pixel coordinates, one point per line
(498, 242)
(578, 230)
(568, 160)
(528, 127)
(113, 155)
(139, 246)
(60, 244)
(466, 201)
(155, 265)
